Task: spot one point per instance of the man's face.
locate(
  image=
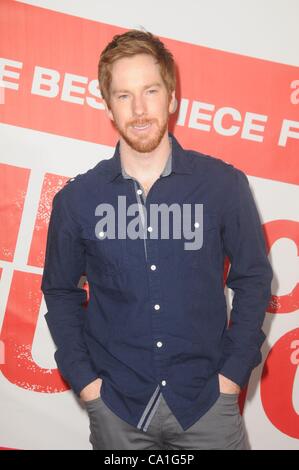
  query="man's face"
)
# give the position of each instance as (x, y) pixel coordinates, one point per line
(139, 102)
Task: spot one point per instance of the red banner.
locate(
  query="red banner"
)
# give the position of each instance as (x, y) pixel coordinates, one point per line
(246, 115)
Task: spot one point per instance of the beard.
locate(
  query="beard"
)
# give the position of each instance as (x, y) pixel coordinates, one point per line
(144, 143)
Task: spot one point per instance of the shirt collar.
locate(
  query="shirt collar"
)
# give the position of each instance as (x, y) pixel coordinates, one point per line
(166, 171)
(178, 162)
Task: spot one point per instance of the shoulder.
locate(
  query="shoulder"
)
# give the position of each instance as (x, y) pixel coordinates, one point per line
(77, 186)
(213, 167)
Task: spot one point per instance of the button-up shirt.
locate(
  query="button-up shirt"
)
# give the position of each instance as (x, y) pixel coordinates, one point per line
(141, 194)
(156, 318)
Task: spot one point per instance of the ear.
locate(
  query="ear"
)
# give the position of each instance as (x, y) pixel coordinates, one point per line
(108, 111)
(172, 103)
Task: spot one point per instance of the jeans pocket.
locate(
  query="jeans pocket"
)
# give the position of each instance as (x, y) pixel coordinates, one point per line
(227, 406)
(229, 395)
(229, 399)
(93, 405)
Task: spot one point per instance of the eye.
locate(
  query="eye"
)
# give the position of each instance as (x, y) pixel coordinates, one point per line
(122, 97)
(152, 91)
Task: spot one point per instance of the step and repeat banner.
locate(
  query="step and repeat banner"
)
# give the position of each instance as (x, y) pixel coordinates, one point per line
(242, 109)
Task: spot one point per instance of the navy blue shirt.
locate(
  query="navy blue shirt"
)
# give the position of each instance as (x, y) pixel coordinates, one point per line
(156, 320)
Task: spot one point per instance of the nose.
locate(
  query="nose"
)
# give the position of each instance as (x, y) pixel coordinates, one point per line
(139, 107)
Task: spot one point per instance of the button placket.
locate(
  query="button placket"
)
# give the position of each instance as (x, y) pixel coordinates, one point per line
(155, 299)
(155, 294)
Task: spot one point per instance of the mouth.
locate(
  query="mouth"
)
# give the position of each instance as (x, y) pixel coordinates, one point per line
(141, 127)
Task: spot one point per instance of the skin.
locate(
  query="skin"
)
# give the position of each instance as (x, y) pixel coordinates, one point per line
(138, 97)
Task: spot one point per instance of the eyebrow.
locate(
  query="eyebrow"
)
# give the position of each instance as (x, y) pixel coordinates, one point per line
(156, 84)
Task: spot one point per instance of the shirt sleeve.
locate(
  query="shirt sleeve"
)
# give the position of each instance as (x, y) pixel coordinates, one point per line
(64, 266)
(249, 277)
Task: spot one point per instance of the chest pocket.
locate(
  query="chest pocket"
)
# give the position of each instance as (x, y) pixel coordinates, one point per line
(193, 258)
(107, 254)
(189, 248)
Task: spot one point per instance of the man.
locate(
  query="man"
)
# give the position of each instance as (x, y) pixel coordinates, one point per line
(151, 355)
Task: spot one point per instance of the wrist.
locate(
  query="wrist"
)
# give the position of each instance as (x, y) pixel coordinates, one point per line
(91, 391)
(227, 386)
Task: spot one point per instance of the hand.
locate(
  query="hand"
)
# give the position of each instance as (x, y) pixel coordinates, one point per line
(91, 391)
(227, 386)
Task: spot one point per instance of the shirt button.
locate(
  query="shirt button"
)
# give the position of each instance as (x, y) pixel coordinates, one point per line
(101, 234)
(149, 229)
(157, 307)
(139, 191)
(159, 344)
(153, 267)
(163, 383)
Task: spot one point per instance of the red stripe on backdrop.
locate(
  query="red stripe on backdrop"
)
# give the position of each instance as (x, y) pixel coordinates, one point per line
(17, 334)
(7, 448)
(51, 185)
(50, 66)
(13, 188)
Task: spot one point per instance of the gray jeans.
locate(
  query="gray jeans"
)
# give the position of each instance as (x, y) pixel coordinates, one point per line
(220, 428)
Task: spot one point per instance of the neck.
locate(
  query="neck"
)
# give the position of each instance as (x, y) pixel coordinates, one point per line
(145, 166)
